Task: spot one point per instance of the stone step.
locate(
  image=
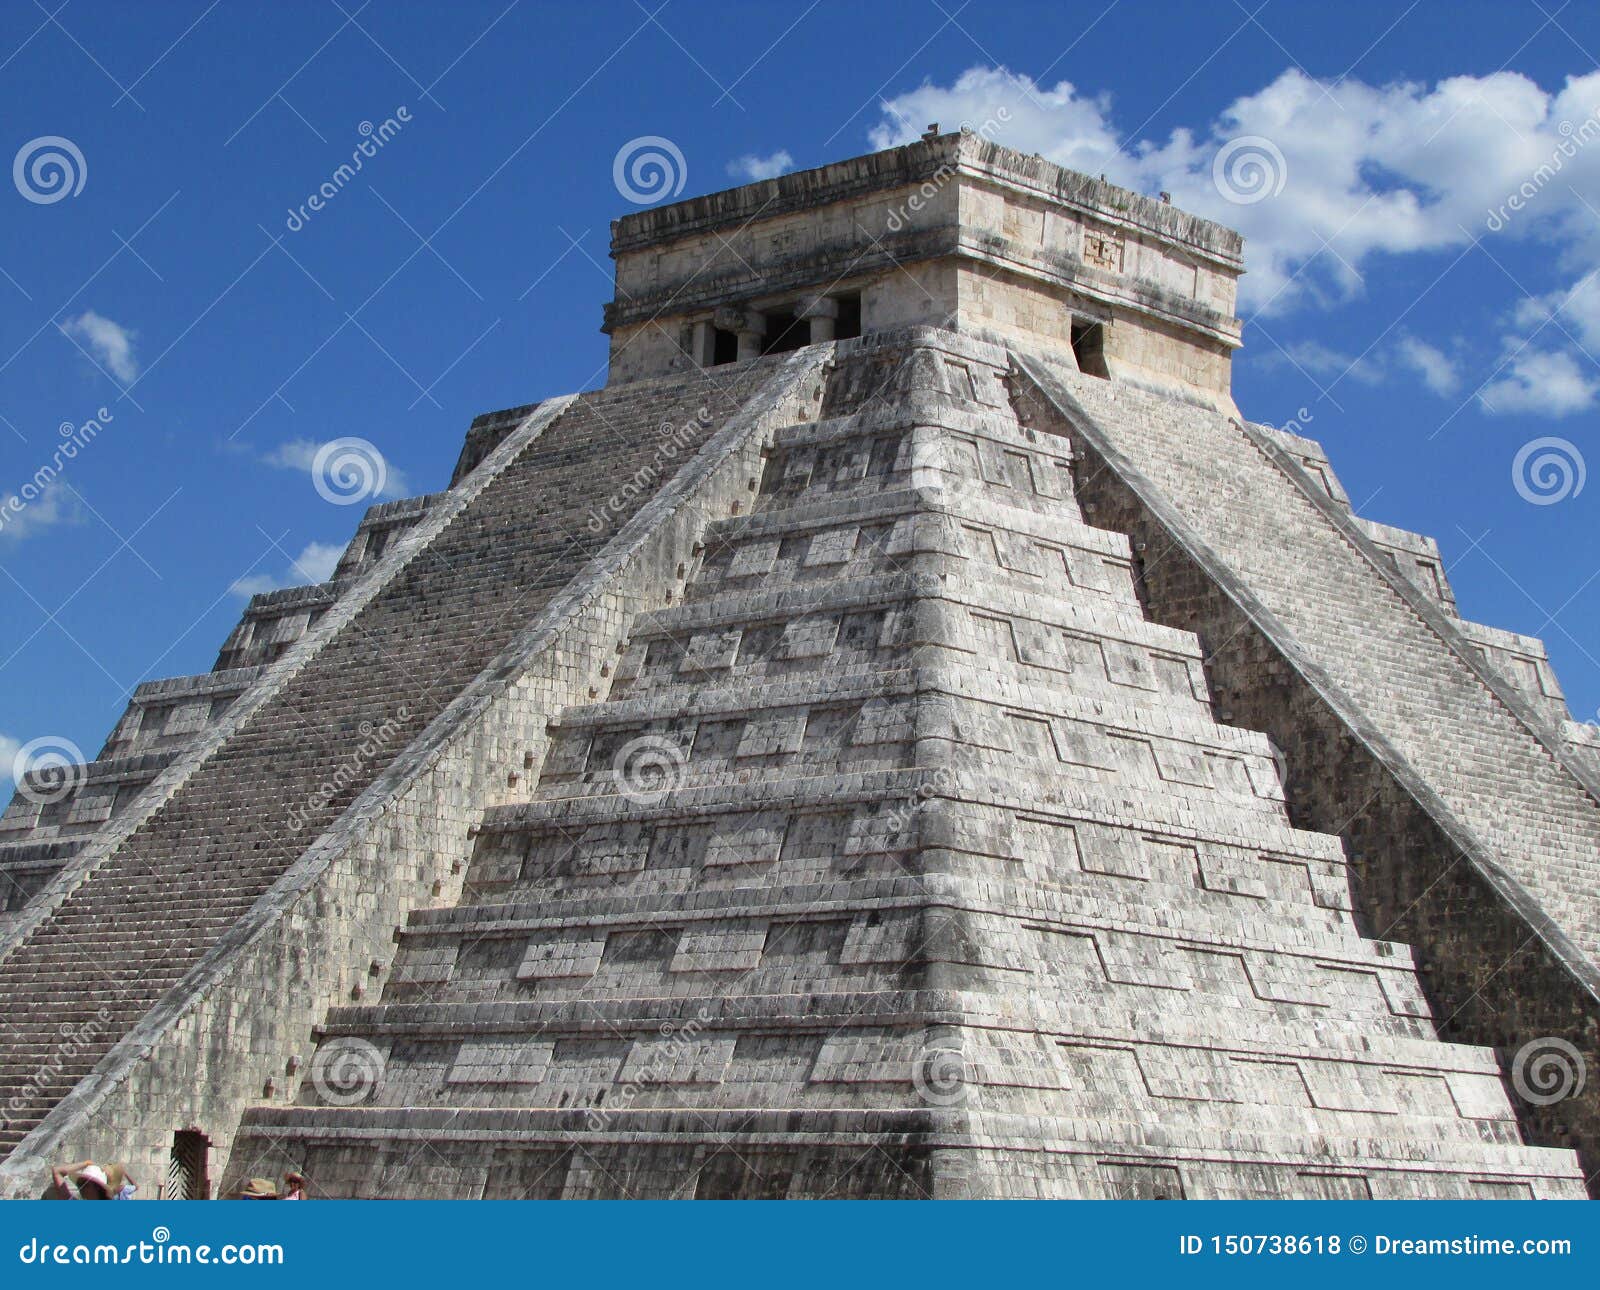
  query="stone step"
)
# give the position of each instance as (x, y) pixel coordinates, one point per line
(1073, 644)
(1116, 1014)
(1121, 1159)
(870, 938)
(917, 530)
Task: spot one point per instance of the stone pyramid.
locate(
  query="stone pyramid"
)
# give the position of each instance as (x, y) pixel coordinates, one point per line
(905, 737)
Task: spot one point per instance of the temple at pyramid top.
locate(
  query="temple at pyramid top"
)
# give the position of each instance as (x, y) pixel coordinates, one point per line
(952, 231)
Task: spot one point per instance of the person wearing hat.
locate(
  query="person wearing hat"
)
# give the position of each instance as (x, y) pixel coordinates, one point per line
(294, 1186)
(119, 1182)
(82, 1181)
(259, 1189)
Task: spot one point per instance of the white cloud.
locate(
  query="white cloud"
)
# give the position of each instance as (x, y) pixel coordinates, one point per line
(296, 454)
(301, 454)
(22, 517)
(1409, 356)
(751, 167)
(1574, 313)
(1317, 359)
(1429, 362)
(315, 563)
(1544, 384)
(109, 342)
(318, 561)
(1348, 175)
(1056, 123)
(256, 584)
(1367, 171)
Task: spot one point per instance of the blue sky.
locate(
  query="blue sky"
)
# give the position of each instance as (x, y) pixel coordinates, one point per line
(465, 267)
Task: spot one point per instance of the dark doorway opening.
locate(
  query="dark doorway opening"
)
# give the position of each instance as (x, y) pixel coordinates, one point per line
(724, 346)
(785, 332)
(1089, 347)
(189, 1169)
(848, 323)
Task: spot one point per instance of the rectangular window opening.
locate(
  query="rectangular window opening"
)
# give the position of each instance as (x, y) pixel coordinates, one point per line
(848, 324)
(785, 332)
(724, 347)
(1089, 347)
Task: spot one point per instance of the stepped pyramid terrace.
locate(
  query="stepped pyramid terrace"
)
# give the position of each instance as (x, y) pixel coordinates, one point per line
(905, 736)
